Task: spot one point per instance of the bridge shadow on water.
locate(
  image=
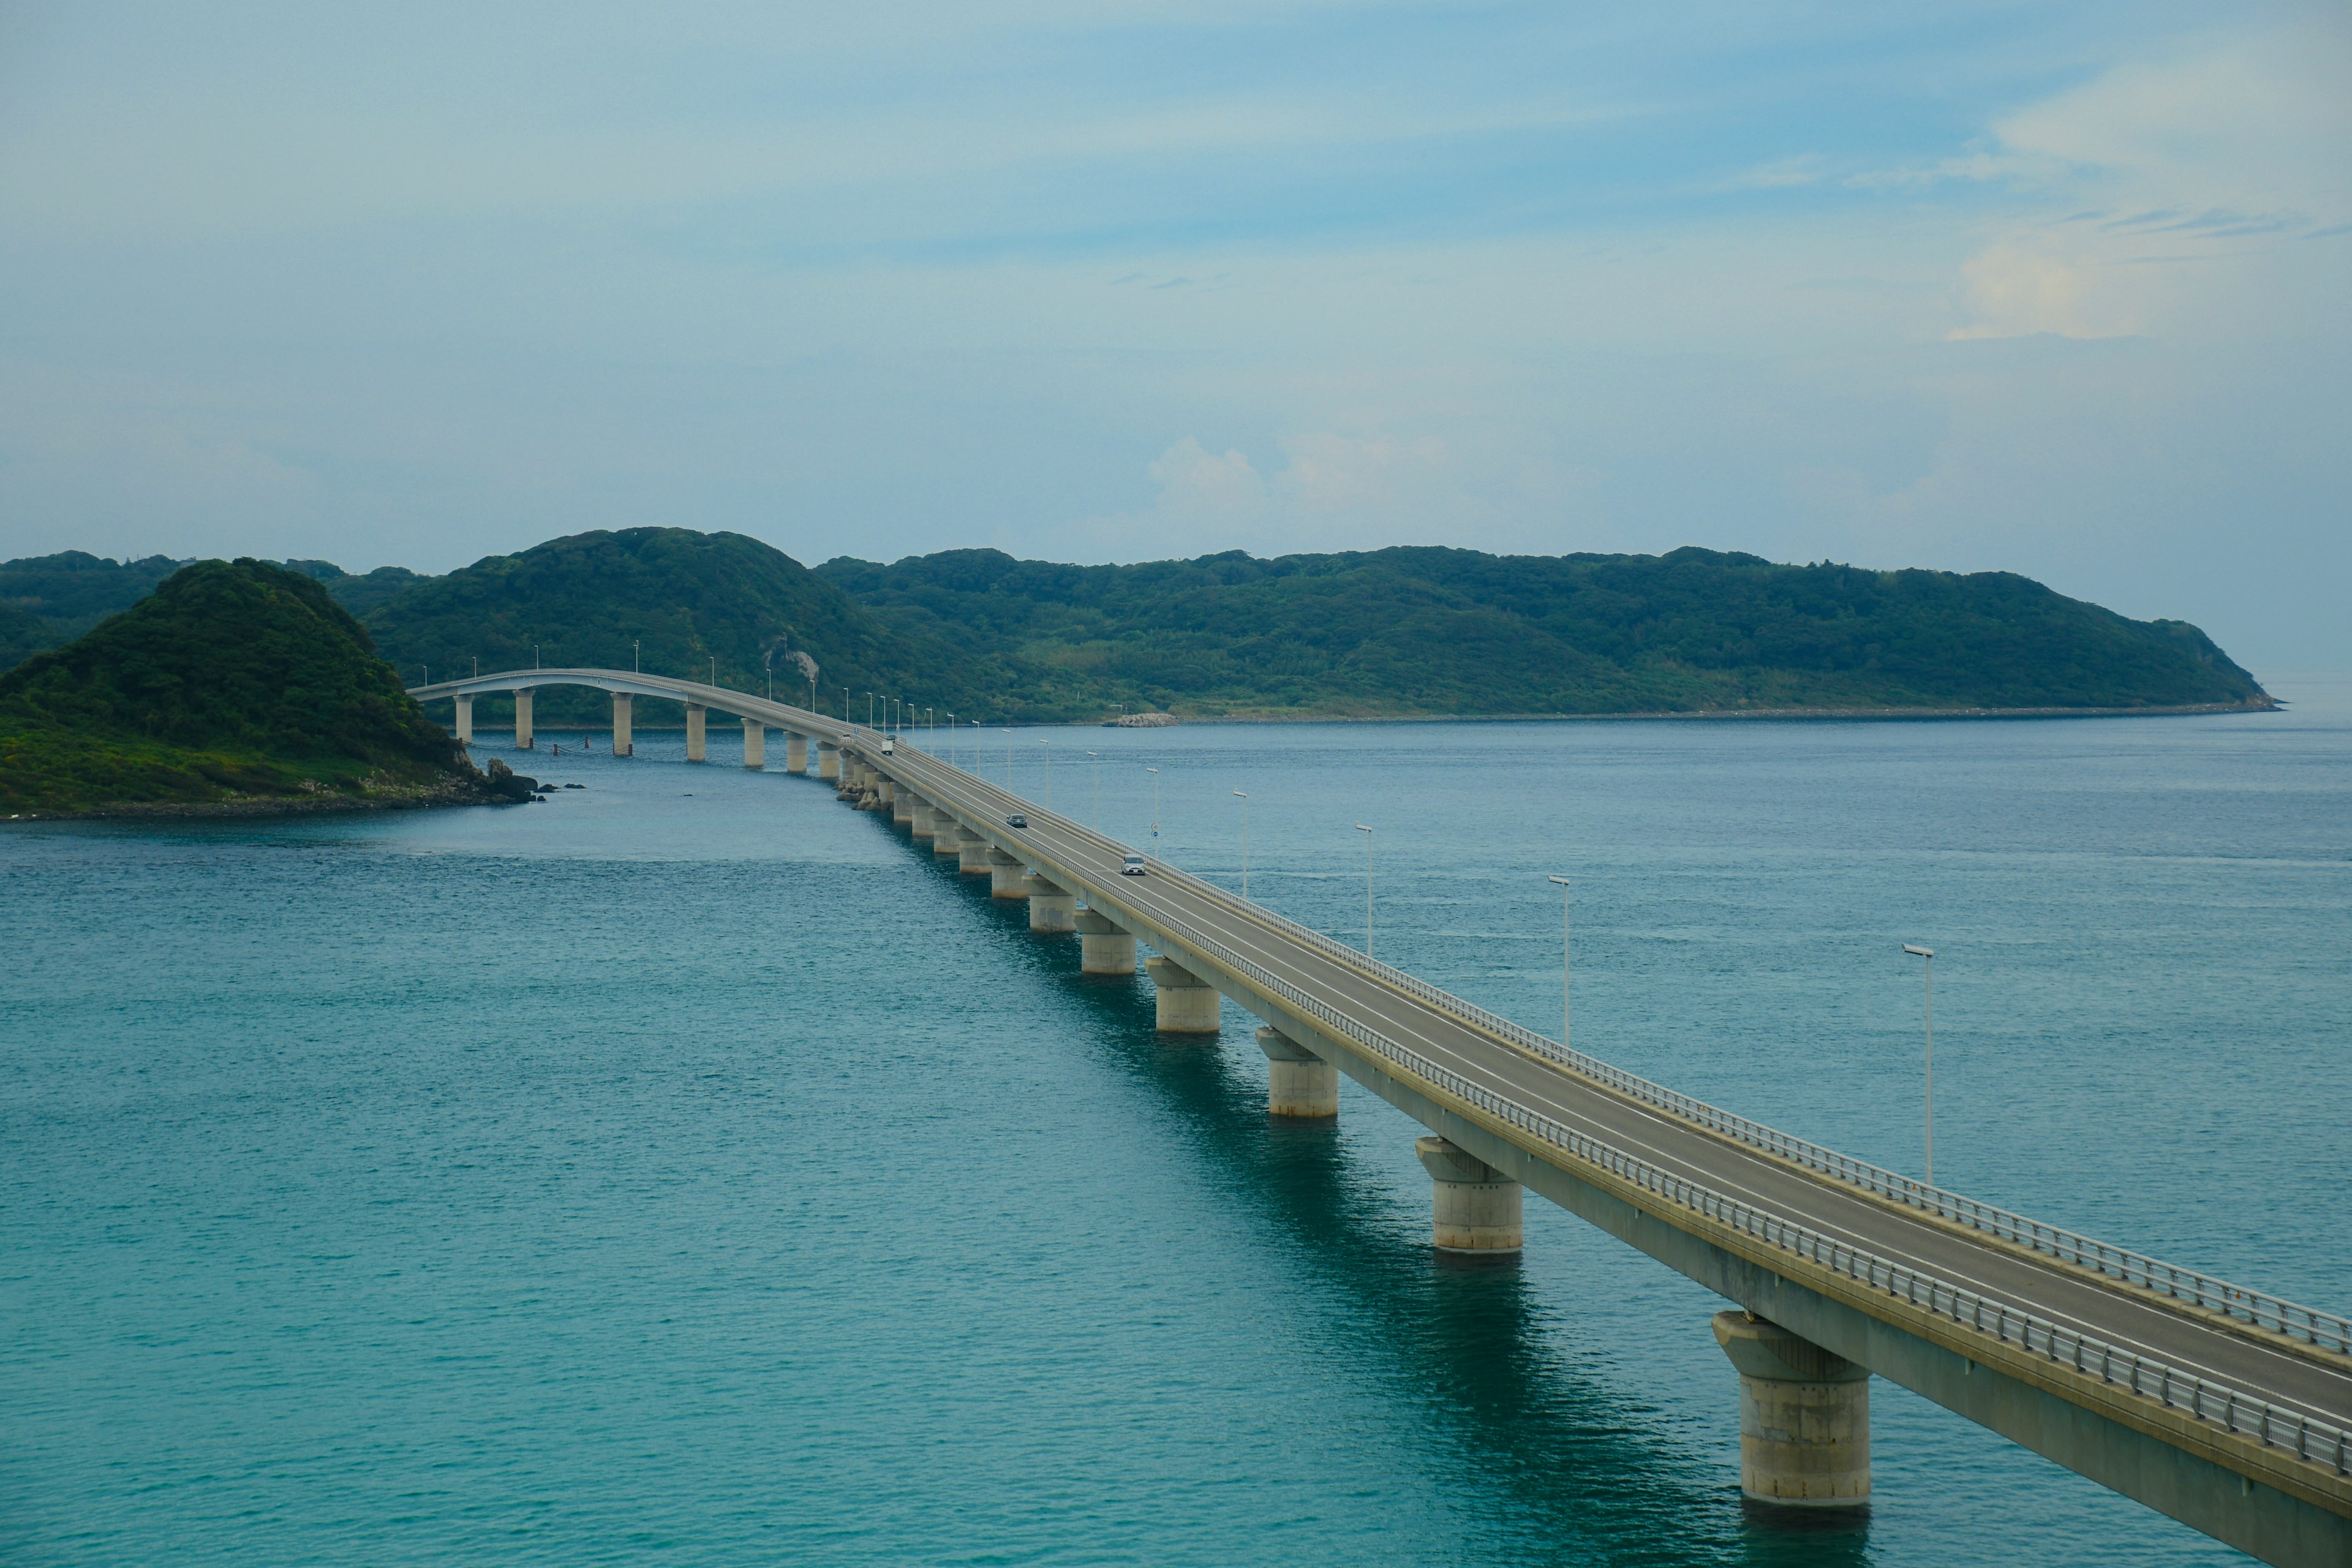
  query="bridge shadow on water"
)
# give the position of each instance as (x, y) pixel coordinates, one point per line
(1535, 1459)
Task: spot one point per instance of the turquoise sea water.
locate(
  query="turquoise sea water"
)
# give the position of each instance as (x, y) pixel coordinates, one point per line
(687, 1171)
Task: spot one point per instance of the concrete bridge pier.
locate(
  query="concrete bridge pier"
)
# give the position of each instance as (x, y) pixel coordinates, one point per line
(946, 835)
(1298, 1082)
(623, 705)
(977, 858)
(795, 752)
(522, 720)
(903, 806)
(1103, 947)
(828, 761)
(926, 821)
(1053, 908)
(694, 736)
(1005, 875)
(464, 718)
(885, 793)
(1804, 1417)
(1188, 1003)
(1477, 1208)
(755, 743)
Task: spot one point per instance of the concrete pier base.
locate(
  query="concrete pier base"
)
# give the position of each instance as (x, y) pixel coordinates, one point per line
(523, 720)
(1804, 1417)
(1188, 1003)
(976, 858)
(624, 710)
(925, 824)
(1477, 1208)
(885, 792)
(465, 730)
(695, 748)
(1005, 875)
(947, 835)
(1298, 1082)
(828, 761)
(795, 752)
(1103, 947)
(755, 743)
(902, 807)
(1053, 908)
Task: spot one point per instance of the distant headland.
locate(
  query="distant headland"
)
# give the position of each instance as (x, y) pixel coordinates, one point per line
(1403, 633)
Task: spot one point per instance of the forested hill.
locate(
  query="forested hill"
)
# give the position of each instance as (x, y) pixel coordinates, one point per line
(1431, 630)
(1408, 631)
(234, 682)
(672, 602)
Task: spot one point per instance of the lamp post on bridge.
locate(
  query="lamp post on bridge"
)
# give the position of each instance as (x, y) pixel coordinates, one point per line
(638, 658)
(1243, 796)
(1008, 761)
(1049, 774)
(1368, 888)
(1097, 762)
(1928, 978)
(1563, 959)
(1155, 811)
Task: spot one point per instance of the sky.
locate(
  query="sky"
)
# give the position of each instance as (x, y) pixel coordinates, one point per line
(2052, 289)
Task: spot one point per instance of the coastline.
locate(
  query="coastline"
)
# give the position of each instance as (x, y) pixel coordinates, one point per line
(265, 806)
(2268, 705)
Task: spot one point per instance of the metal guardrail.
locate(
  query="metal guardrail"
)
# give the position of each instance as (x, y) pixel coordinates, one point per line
(2311, 1440)
(2325, 1330)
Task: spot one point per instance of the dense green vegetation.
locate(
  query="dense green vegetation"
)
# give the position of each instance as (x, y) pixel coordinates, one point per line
(46, 601)
(671, 602)
(1390, 632)
(1429, 630)
(233, 680)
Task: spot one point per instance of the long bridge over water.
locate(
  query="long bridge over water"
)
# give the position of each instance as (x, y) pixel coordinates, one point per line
(2226, 1408)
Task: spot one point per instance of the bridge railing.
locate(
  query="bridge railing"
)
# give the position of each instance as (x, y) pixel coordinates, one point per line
(2308, 1438)
(2328, 1330)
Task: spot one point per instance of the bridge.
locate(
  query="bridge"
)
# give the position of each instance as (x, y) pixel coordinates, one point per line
(2222, 1406)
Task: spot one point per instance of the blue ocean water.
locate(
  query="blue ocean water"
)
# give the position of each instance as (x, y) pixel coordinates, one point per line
(688, 1171)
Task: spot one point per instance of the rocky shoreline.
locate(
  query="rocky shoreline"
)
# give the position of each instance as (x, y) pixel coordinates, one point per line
(483, 789)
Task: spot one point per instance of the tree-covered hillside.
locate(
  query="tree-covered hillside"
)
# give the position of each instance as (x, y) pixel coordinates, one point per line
(46, 601)
(669, 601)
(234, 681)
(1431, 630)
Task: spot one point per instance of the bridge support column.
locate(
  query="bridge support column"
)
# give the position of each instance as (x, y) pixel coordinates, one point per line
(694, 738)
(976, 858)
(1053, 908)
(1005, 875)
(1477, 1208)
(1298, 1082)
(828, 761)
(623, 705)
(755, 743)
(464, 718)
(902, 807)
(795, 752)
(1804, 1417)
(925, 823)
(1188, 1003)
(1103, 948)
(522, 720)
(946, 835)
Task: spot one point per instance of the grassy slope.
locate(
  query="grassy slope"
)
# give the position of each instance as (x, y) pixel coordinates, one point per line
(1427, 630)
(233, 680)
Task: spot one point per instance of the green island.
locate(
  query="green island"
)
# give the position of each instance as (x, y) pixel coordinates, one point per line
(234, 686)
(1410, 632)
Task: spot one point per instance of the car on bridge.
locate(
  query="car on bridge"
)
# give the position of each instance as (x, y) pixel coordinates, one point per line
(1017, 820)
(1131, 867)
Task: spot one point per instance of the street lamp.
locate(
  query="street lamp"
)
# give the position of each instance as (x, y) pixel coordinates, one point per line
(1155, 811)
(1563, 960)
(869, 709)
(1368, 888)
(1049, 774)
(1243, 798)
(951, 740)
(1096, 760)
(1008, 761)
(1927, 973)
(534, 656)
(638, 658)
